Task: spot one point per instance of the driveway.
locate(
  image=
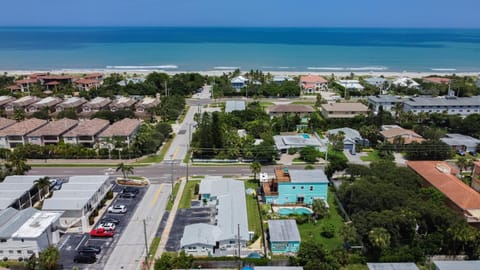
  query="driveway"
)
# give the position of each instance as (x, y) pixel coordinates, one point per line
(355, 159)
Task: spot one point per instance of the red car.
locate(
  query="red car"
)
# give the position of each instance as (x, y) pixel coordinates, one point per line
(100, 232)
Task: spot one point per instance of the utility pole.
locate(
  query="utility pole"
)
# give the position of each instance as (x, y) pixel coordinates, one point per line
(146, 242)
(171, 175)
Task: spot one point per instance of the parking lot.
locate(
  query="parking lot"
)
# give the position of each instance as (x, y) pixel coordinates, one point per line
(71, 242)
(185, 217)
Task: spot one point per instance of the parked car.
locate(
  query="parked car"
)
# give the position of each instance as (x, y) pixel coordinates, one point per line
(131, 190)
(90, 249)
(117, 209)
(107, 226)
(110, 220)
(128, 195)
(85, 258)
(100, 232)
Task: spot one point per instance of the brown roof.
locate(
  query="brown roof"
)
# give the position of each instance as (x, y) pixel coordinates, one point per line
(122, 102)
(290, 108)
(6, 99)
(56, 77)
(438, 80)
(5, 122)
(55, 128)
(72, 102)
(98, 102)
(23, 128)
(344, 106)
(90, 127)
(53, 83)
(24, 101)
(147, 102)
(440, 175)
(14, 87)
(26, 81)
(408, 135)
(124, 127)
(87, 81)
(93, 76)
(312, 79)
(46, 102)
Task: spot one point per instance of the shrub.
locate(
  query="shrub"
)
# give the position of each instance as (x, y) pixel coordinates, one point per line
(301, 219)
(292, 151)
(328, 230)
(309, 167)
(196, 189)
(109, 195)
(91, 220)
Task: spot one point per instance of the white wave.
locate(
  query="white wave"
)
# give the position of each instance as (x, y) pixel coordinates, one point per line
(366, 68)
(226, 68)
(144, 67)
(443, 69)
(278, 67)
(325, 68)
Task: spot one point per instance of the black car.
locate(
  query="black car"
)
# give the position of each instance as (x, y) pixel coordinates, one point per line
(128, 195)
(131, 190)
(85, 258)
(110, 220)
(90, 249)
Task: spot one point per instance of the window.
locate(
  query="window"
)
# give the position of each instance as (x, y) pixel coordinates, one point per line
(3, 240)
(1, 251)
(10, 251)
(29, 251)
(311, 188)
(19, 252)
(301, 187)
(293, 187)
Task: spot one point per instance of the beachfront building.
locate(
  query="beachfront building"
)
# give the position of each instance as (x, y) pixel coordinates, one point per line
(20, 192)
(351, 138)
(230, 230)
(27, 232)
(350, 85)
(460, 196)
(284, 236)
(445, 104)
(78, 198)
(295, 187)
(86, 132)
(134, 80)
(387, 102)
(378, 82)
(239, 82)
(123, 130)
(279, 110)
(146, 103)
(23, 85)
(85, 84)
(461, 143)
(398, 135)
(95, 105)
(21, 103)
(392, 266)
(73, 103)
(234, 105)
(16, 134)
(52, 132)
(279, 79)
(436, 80)
(343, 110)
(298, 141)
(456, 265)
(313, 84)
(122, 103)
(405, 82)
(49, 103)
(5, 100)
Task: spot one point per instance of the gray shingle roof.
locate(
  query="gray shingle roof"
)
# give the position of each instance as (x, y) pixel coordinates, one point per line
(454, 139)
(308, 176)
(392, 266)
(442, 101)
(457, 265)
(350, 133)
(283, 230)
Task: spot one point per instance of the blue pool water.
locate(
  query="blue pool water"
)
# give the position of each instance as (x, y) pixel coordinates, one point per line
(306, 136)
(294, 211)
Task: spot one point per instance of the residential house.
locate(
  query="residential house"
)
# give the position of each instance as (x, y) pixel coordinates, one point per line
(278, 110)
(239, 82)
(343, 110)
(57, 79)
(95, 76)
(398, 135)
(5, 122)
(20, 191)
(86, 132)
(460, 196)
(313, 84)
(73, 103)
(131, 80)
(298, 141)
(449, 104)
(122, 103)
(24, 85)
(230, 231)
(78, 199)
(284, 236)
(146, 103)
(48, 102)
(392, 266)
(296, 187)
(21, 103)
(378, 82)
(351, 138)
(52, 132)
(457, 265)
(85, 84)
(279, 79)
(124, 130)
(95, 105)
(234, 105)
(387, 102)
(436, 80)
(461, 143)
(16, 134)
(27, 232)
(405, 82)
(350, 85)
(5, 100)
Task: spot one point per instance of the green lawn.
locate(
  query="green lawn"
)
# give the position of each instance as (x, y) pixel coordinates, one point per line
(372, 156)
(158, 158)
(175, 191)
(184, 113)
(252, 209)
(305, 102)
(188, 194)
(106, 165)
(266, 104)
(312, 231)
(154, 246)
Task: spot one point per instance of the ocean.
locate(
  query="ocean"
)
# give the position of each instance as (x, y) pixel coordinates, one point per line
(269, 49)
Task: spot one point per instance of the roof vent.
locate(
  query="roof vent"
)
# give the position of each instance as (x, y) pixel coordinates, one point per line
(443, 168)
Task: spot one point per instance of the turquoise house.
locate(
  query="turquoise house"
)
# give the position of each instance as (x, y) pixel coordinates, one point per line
(296, 187)
(284, 236)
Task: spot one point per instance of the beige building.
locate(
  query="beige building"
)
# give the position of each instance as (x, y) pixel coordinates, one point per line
(52, 132)
(16, 134)
(125, 130)
(86, 132)
(343, 110)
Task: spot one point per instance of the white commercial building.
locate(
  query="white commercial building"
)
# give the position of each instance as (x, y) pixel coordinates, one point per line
(27, 232)
(19, 191)
(78, 198)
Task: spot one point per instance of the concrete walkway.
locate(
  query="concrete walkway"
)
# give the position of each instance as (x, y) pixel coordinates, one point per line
(170, 220)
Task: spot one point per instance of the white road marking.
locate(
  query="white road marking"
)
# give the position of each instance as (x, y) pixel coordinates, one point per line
(81, 241)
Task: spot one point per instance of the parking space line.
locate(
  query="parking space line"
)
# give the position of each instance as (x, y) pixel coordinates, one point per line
(81, 241)
(157, 194)
(64, 242)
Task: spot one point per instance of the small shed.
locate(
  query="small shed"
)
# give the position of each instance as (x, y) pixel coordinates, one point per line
(284, 236)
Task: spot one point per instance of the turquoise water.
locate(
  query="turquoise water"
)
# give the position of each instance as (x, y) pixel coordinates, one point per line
(306, 136)
(273, 49)
(296, 211)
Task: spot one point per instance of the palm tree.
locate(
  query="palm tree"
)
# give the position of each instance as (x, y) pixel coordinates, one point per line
(43, 183)
(462, 164)
(49, 257)
(256, 168)
(379, 237)
(125, 169)
(319, 208)
(16, 164)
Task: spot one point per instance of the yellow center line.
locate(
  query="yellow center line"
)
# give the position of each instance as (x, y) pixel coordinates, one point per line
(155, 198)
(175, 153)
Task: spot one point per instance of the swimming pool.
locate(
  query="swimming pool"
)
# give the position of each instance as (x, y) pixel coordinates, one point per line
(284, 211)
(306, 136)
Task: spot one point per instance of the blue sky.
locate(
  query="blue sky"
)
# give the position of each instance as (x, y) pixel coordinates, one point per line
(292, 13)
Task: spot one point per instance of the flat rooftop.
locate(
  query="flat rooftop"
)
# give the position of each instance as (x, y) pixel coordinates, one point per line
(283, 230)
(37, 224)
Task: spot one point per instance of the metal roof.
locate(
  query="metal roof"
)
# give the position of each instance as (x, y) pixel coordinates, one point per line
(392, 266)
(443, 101)
(200, 233)
(296, 141)
(15, 221)
(456, 265)
(350, 133)
(14, 186)
(385, 98)
(454, 139)
(234, 105)
(283, 230)
(307, 176)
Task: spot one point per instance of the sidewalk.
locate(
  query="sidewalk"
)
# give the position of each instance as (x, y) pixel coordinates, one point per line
(170, 220)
